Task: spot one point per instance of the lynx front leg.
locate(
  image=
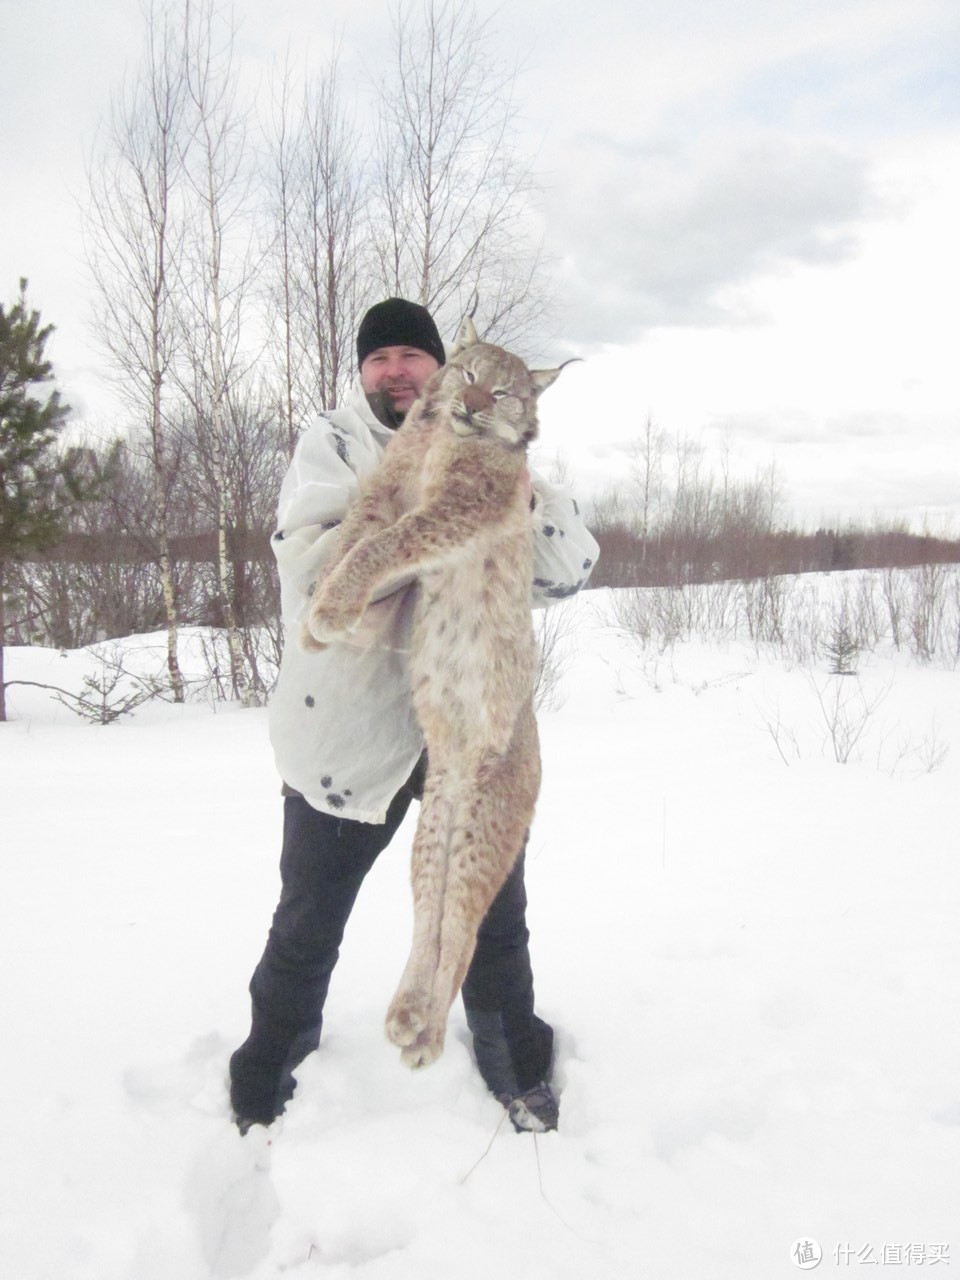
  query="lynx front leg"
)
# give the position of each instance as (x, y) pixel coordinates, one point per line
(336, 609)
(419, 539)
(348, 580)
(342, 597)
(410, 1009)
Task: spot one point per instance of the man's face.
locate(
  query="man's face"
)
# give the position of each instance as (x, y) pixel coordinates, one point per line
(398, 373)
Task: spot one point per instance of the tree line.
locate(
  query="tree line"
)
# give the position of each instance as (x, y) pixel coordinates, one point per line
(682, 517)
(679, 518)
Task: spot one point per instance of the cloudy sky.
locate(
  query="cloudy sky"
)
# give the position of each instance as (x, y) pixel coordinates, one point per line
(751, 206)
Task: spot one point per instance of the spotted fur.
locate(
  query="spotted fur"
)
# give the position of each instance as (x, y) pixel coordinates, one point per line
(449, 504)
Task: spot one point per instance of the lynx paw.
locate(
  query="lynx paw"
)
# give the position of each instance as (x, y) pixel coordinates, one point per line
(406, 1018)
(307, 641)
(326, 622)
(427, 1048)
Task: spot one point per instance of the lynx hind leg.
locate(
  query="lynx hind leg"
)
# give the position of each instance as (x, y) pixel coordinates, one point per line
(483, 852)
(409, 1012)
(485, 842)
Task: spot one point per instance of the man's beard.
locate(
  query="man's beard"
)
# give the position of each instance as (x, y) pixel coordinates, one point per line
(382, 405)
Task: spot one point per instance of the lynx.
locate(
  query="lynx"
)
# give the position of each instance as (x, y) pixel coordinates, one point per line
(449, 504)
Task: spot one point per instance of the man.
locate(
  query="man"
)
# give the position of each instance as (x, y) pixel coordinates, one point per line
(349, 749)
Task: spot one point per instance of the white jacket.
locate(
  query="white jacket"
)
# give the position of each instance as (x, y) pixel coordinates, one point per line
(341, 721)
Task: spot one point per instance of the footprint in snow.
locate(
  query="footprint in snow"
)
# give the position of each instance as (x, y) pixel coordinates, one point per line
(231, 1197)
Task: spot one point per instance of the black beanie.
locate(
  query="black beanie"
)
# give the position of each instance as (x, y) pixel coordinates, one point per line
(398, 323)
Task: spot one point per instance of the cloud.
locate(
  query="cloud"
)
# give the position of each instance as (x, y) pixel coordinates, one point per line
(654, 235)
(777, 427)
(732, 142)
(853, 463)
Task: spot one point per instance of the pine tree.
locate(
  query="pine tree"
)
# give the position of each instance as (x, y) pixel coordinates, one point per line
(36, 486)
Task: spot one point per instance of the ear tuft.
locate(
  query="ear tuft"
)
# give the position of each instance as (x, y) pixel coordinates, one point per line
(543, 378)
(466, 335)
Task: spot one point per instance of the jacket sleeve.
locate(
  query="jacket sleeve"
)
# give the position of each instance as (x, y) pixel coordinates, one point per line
(316, 491)
(564, 549)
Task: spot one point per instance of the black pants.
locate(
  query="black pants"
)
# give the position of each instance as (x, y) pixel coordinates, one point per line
(322, 866)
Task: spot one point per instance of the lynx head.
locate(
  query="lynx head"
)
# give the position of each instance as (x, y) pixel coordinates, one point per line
(489, 391)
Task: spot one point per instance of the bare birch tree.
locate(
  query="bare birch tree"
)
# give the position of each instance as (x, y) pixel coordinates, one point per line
(254, 460)
(452, 191)
(281, 185)
(647, 468)
(330, 250)
(134, 239)
(315, 192)
(217, 278)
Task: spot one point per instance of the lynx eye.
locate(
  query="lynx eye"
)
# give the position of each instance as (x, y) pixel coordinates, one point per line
(500, 394)
(469, 375)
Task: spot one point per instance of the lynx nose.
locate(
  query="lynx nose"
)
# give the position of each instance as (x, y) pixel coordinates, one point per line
(475, 399)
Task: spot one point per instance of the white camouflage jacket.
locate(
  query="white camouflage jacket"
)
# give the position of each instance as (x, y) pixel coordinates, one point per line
(341, 721)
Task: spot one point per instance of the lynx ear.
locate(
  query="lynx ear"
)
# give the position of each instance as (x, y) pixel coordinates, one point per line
(466, 335)
(543, 378)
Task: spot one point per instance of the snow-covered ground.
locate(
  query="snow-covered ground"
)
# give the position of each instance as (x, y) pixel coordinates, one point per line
(750, 953)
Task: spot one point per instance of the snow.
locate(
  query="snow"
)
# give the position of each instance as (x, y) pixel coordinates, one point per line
(748, 950)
